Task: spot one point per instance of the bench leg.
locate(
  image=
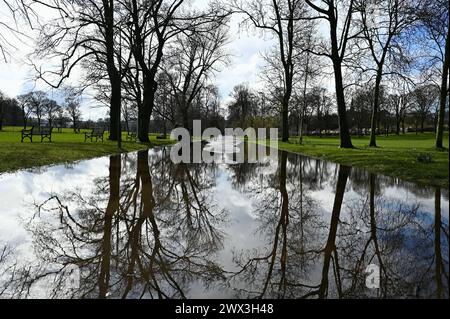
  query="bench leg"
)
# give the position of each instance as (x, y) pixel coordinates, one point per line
(27, 136)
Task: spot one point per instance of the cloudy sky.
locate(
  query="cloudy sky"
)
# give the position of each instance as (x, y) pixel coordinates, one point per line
(246, 48)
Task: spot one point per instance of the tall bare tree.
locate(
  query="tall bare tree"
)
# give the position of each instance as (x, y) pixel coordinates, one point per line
(434, 17)
(281, 19)
(425, 97)
(382, 22)
(83, 31)
(72, 106)
(51, 109)
(335, 11)
(153, 25)
(193, 59)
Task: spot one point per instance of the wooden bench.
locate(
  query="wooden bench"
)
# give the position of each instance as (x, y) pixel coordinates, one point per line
(131, 136)
(96, 133)
(43, 132)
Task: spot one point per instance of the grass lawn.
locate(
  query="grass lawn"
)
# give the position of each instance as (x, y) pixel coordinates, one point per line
(66, 147)
(397, 156)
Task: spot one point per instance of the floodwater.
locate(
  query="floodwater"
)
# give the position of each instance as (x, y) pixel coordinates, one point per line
(140, 226)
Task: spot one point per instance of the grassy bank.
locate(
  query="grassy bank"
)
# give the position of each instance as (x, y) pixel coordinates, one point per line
(66, 147)
(406, 156)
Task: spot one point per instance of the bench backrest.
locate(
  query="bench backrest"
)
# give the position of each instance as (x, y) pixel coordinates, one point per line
(41, 130)
(98, 130)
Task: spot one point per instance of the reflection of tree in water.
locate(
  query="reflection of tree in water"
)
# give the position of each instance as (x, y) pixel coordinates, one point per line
(398, 237)
(289, 222)
(310, 257)
(150, 229)
(146, 243)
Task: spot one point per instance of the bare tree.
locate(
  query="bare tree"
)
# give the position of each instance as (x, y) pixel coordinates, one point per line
(243, 105)
(425, 97)
(25, 106)
(311, 67)
(33, 103)
(73, 107)
(51, 109)
(279, 18)
(382, 22)
(153, 25)
(192, 60)
(435, 21)
(84, 31)
(339, 38)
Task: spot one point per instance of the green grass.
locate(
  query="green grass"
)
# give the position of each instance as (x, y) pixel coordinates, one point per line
(397, 156)
(66, 147)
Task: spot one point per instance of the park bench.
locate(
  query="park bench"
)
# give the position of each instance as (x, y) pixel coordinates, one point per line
(131, 136)
(43, 132)
(161, 137)
(96, 133)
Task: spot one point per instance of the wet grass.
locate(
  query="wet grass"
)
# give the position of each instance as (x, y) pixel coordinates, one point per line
(66, 147)
(410, 157)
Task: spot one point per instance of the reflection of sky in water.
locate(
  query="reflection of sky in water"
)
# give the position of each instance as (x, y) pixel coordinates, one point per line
(20, 191)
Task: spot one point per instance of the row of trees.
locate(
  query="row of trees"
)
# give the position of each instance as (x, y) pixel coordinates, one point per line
(38, 106)
(415, 109)
(369, 43)
(129, 49)
(157, 58)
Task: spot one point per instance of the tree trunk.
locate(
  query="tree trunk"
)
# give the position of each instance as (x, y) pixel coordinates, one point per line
(376, 106)
(346, 140)
(437, 243)
(127, 122)
(285, 115)
(115, 105)
(330, 247)
(185, 116)
(145, 112)
(300, 129)
(113, 74)
(113, 206)
(305, 104)
(443, 98)
(143, 123)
